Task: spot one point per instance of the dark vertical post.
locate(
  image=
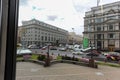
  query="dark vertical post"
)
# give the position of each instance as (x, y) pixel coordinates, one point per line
(47, 61)
(8, 38)
(91, 61)
(91, 50)
(10, 67)
(3, 35)
(48, 52)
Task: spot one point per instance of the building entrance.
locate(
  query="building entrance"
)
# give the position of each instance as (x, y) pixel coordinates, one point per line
(111, 48)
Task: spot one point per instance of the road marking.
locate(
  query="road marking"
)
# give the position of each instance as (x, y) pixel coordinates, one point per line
(99, 73)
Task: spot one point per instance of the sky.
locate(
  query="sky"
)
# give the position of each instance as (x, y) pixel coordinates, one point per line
(65, 14)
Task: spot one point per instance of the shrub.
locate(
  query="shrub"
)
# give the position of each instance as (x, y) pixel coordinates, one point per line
(76, 59)
(41, 57)
(34, 56)
(69, 58)
(66, 58)
(59, 57)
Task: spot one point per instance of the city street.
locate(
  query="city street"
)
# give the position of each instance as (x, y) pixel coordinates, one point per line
(64, 71)
(68, 53)
(55, 52)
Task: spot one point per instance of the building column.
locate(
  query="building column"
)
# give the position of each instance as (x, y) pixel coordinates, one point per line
(117, 44)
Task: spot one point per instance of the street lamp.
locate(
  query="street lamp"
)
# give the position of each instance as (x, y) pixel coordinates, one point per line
(91, 45)
(47, 61)
(91, 60)
(73, 36)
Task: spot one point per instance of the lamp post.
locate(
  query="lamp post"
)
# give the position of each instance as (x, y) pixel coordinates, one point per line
(91, 60)
(47, 61)
(91, 45)
(73, 37)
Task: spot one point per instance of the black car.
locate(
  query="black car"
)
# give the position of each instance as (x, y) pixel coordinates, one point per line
(92, 54)
(98, 57)
(53, 48)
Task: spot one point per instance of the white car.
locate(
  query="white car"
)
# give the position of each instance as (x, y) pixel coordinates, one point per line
(62, 49)
(78, 52)
(33, 47)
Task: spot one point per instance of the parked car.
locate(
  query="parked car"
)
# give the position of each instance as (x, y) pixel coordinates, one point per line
(92, 54)
(62, 49)
(53, 48)
(44, 48)
(113, 56)
(33, 47)
(78, 52)
(99, 57)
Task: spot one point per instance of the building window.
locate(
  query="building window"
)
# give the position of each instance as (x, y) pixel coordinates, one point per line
(110, 27)
(111, 42)
(111, 17)
(111, 36)
(98, 36)
(45, 38)
(49, 38)
(89, 28)
(42, 38)
(98, 28)
(98, 20)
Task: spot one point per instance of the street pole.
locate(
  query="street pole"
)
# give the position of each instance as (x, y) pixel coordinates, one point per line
(47, 61)
(91, 50)
(91, 60)
(48, 52)
(73, 37)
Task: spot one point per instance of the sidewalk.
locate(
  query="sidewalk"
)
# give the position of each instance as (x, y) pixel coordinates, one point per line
(62, 71)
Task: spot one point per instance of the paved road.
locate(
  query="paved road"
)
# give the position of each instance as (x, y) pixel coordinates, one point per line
(68, 53)
(55, 52)
(62, 71)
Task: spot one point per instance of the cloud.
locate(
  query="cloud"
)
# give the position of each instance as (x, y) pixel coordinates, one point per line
(34, 7)
(66, 14)
(52, 17)
(83, 5)
(23, 2)
(80, 8)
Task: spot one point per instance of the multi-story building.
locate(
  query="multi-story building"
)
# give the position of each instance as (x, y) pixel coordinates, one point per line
(74, 38)
(41, 34)
(102, 26)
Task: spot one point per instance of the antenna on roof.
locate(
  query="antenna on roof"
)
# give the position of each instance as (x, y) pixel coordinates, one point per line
(98, 1)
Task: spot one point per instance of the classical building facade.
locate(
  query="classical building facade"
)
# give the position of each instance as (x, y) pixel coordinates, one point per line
(102, 26)
(74, 38)
(41, 34)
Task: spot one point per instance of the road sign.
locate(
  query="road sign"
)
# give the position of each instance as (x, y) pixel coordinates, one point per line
(85, 43)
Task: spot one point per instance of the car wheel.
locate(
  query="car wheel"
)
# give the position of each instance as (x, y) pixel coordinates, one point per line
(109, 59)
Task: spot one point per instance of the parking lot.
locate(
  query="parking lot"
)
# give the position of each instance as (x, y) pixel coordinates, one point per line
(64, 71)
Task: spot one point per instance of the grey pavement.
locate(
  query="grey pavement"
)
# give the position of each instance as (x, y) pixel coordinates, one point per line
(64, 71)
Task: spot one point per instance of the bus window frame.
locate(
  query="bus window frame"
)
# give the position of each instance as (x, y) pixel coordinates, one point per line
(8, 38)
